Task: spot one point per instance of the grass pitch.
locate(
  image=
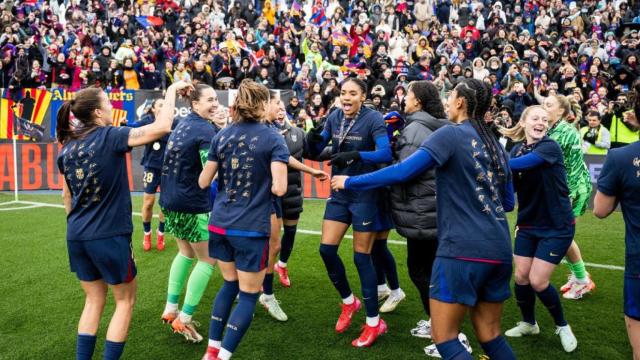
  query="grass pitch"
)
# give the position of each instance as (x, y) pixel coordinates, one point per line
(42, 300)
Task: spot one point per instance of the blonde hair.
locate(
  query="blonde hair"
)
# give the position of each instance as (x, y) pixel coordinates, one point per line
(250, 101)
(516, 133)
(565, 105)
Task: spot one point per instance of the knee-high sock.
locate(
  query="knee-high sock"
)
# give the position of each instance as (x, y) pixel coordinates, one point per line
(196, 286)
(267, 284)
(579, 270)
(526, 299)
(239, 320)
(378, 262)
(84, 346)
(177, 276)
(113, 350)
(388, 263)
(146, 226)
(498, 349)
(288, 238)
(368, 280)
(453, 350)
(335, 269)
(222, 308)
(551, 301)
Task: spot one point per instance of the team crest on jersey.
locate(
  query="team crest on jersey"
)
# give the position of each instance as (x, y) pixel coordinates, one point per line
(235, 163)
(294, 137)
(79, 174)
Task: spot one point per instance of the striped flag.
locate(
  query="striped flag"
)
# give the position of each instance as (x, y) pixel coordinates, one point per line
(30, 105)
(318, 18)
(118, 116)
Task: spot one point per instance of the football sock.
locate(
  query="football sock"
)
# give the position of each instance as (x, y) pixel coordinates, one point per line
(498, 349)
(368, 280)
(161, 226)
(84, 346)
(551, 300)
(177, 276)
(113, 350)
(579, 270)
(526, 299)
(378, 264)
(288, 238)
(373, 321)
(349, 300)
(147, 227)
(221, 309)
(267, 284)
(382, 287)
(335, 269)
(453, 350)
(239, 321)
(388, 263)
(196, 286)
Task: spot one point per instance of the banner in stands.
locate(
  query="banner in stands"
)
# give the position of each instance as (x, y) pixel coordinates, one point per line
(30, 113)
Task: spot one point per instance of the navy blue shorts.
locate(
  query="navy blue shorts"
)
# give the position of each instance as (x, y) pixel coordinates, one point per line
(109, 259)
(276, 207)
(384, 221)
(457, 281)
(550, 245)
(362, 216)
(151, 180)
(251, 254)
(632, 297)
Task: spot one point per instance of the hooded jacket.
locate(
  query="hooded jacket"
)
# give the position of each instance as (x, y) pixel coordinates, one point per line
(413, 204)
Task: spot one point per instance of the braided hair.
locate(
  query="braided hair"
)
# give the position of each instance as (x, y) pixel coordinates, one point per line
(477, 96)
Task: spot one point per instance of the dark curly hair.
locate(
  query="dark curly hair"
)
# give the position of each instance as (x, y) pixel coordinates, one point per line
(429, 97)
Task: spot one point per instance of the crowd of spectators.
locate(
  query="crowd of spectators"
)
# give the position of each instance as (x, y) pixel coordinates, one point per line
(525, 49)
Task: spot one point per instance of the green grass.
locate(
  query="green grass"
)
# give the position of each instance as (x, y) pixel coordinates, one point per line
(42, 300)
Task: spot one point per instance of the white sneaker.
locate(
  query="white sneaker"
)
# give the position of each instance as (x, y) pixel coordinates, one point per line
(422, 330)
(578, 290)
(568, 340)
(432, 350)
(523, 328)
(392, 301)
(571, 279)
(273, 307)
(383, 294)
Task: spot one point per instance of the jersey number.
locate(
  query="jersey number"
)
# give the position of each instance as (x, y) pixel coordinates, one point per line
(147, 177)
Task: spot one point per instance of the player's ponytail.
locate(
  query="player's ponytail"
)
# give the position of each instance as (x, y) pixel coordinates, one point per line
(76, 117)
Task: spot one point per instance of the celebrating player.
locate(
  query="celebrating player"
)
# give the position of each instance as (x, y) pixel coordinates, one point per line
(152, 163)
(186, 208)
(359, 142)
(472, 268)
(545, 226)
(579, 182)
(619, 182)
(98, 205)
(250, 158)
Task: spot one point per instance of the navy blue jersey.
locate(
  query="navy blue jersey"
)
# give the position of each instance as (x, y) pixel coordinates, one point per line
(543, 194)
(244, 153)
(186, 153)
(95, 171)
(620, 177)
(361, 136)
(471, 219)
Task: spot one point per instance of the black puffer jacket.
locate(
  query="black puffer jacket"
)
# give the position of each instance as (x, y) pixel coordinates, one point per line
(292, 200)
(413, 204)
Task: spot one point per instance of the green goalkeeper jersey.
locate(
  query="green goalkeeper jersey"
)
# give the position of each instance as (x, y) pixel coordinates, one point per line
(568, 137)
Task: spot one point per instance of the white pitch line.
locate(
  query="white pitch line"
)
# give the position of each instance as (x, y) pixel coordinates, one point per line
(21, 208)
(308, 232)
